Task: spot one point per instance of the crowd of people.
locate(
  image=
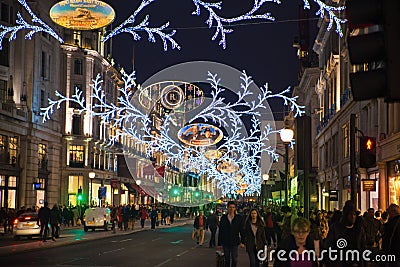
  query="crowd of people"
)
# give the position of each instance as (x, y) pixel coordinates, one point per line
(264, 232)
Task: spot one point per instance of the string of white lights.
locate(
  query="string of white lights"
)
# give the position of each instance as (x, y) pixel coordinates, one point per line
(23, 25)
(240, 151)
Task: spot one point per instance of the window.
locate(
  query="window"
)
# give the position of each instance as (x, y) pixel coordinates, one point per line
(4, 54)
(76, 124)
(76, 156)
(42, 151)
(12, 181)
(78, 66)
(346, 140)
(5, 13)
(45, 66)
(43, 98)
(12, 149)
(77, 38)
(3, 91)
(77, 87)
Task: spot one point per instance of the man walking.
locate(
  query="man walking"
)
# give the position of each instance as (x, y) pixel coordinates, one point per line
(212, 223)
(200, 225)
(44, 218)
(231, 234)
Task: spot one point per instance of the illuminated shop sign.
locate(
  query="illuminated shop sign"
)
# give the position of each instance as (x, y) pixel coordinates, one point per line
(82, 14)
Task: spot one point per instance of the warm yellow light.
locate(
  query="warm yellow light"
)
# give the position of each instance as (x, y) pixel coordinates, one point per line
(286, 135)
(92, 175)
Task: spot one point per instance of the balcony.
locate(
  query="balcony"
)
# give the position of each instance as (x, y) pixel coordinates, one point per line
(76, 164)
(6, 159)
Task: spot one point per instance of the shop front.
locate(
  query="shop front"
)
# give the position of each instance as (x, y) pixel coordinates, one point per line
(394, 181)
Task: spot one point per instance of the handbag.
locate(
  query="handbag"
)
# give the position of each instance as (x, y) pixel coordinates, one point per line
(194, 234)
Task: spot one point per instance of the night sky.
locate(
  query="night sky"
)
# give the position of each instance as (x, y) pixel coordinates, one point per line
(264, 50)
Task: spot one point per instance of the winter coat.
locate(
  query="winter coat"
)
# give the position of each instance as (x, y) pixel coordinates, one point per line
(55, 216)
(254, 242)
(231, 234)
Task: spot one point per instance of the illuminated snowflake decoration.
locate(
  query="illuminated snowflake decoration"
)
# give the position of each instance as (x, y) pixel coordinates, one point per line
(144, 26)
(243, 151)
(21, 24)
(332, 15)
(221, 24)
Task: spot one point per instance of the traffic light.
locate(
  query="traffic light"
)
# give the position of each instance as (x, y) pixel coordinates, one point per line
(367, 152)
(376, 52)
(80, 196)
(100, 193)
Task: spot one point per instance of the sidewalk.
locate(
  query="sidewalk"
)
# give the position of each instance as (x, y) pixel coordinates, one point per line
(72, 235)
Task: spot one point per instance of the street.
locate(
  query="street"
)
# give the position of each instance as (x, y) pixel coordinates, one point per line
(170, 246)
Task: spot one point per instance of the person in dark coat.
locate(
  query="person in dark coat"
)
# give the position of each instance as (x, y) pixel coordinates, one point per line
(212, 223)
(299, 240)
(231, 234)
(255, 238)
(44, 218)
(391, 233)
(55, 222)
(153, 218)
(347, 232)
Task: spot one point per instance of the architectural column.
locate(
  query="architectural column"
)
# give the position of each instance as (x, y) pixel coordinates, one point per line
(382, 186)
(396, 117)
(54, 180)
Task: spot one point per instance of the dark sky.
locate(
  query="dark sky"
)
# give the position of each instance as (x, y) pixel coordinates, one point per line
(264, 50)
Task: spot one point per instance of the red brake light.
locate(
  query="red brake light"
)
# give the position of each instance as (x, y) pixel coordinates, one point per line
(27, 218)
(16, 221)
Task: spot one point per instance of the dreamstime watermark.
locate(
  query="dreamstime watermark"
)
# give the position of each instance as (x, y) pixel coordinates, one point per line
(340, 254)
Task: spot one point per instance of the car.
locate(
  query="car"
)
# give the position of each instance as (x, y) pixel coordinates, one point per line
(96, 218)
(26, 225)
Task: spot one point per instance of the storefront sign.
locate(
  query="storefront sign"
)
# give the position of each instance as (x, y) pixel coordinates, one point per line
(369, 185)
(82, 14)
(333, 195)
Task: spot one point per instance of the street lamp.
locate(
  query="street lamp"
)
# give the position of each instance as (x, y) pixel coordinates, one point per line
(286, 137)
(265, 178)
(91, 176)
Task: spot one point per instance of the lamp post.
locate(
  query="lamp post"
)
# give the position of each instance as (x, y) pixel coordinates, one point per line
(286, 137)
(91, 176)
(265, 178)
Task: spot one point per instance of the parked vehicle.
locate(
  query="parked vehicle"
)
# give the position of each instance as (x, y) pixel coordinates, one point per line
(26, 225)
(96, 218)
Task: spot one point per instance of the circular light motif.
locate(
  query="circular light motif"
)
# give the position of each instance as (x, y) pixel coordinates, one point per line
(199, 134)
(227, 167)
(82, 15)
(172, 97)
(213, 154)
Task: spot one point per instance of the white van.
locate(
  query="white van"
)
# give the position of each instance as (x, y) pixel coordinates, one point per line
(96, 218)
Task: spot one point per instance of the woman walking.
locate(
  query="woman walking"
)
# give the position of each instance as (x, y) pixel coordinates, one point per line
(255, 239)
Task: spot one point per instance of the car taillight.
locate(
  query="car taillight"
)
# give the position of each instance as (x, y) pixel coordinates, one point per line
(27, 218)
(16, 221)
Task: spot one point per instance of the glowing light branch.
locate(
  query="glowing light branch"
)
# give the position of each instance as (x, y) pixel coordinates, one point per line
(242, 152)
(217, 110)
(21, 24)
(125, 115)
(331, 10)
(222, 23)
(144, 26)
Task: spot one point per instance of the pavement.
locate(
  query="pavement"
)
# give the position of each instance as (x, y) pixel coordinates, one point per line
(74, 235)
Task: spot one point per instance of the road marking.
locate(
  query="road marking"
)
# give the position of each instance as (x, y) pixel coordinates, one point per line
(186, 251)
(176, 242)
(111, 251)
(119, 241)
(157, 239)
(162, 263)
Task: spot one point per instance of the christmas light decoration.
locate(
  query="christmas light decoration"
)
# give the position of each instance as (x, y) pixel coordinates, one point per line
(223, 25)
(23, 25)
(333, 18)
(143, 26)
(237, 148)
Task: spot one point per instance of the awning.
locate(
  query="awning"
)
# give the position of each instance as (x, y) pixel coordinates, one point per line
(134, 188)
